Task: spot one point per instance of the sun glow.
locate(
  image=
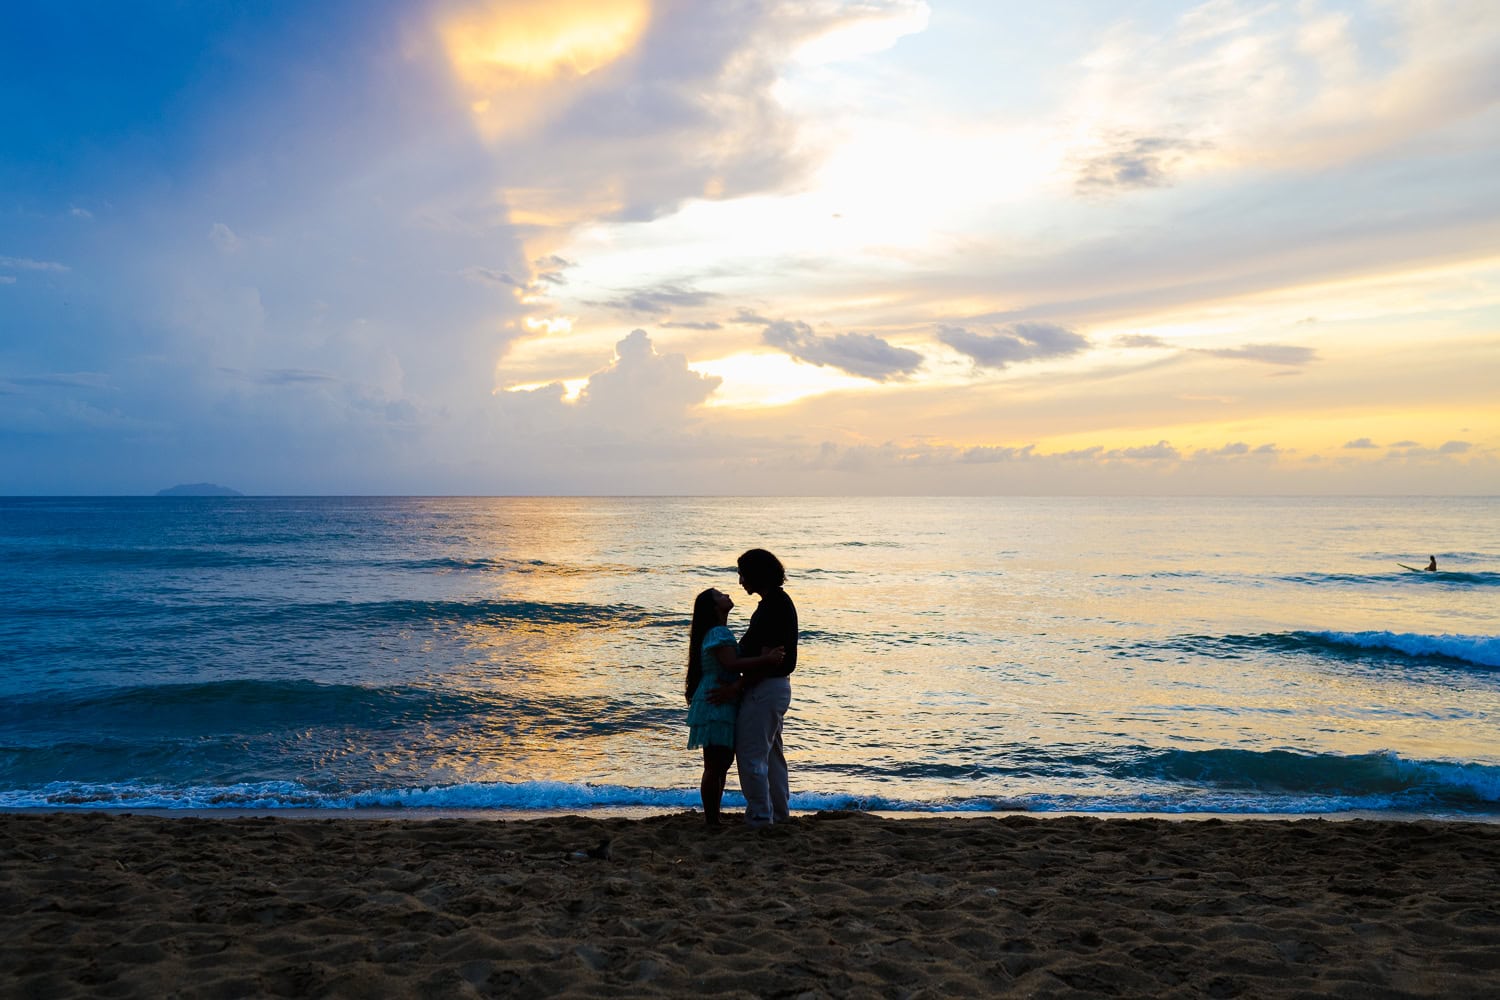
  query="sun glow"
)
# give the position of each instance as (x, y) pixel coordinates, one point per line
(754, 379)
(517, 58)
(549, 325)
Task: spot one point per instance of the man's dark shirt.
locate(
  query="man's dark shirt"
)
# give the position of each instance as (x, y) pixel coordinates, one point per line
(773, 624)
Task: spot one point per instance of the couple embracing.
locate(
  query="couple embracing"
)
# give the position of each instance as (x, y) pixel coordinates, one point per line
(738, 693)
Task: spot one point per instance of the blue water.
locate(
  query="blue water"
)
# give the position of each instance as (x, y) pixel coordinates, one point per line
(1238, 656)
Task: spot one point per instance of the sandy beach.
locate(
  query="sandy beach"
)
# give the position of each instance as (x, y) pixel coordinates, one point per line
(834, 904)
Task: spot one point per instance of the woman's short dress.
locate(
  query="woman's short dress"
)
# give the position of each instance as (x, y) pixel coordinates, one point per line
(710, 724)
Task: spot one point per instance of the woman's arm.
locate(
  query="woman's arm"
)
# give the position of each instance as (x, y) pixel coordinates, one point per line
(730, 659)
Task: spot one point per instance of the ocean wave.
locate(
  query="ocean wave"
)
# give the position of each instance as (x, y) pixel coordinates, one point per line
(1222, 781)
(1446, 578)
(488, 564)
(140, 557)
(1324, 579)
(248, 553)
(213, 712)
(1234, 778)
(480, 564)
(169, 708)
(1287, 772)
(1468, 650)
(1449, 578)
(517, 615)
(1443, 578)
(529, 795)
(1480, 650)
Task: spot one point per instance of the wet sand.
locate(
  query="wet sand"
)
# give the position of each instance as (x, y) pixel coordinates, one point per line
(835, 904)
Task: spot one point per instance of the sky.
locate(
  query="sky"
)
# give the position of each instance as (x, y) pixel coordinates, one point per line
(750, 247)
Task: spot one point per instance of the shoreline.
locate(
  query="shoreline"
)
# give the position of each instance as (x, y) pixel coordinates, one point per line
(828, 905)
(419, 814)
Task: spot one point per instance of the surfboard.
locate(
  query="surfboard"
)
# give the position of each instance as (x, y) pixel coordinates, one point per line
(1414, 569)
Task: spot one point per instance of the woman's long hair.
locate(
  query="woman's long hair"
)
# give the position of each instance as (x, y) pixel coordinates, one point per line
(705, 617)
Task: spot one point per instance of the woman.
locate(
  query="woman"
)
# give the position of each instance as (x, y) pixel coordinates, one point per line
(714, 660)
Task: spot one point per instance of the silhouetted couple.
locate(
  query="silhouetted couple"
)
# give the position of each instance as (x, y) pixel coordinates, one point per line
(738, 692)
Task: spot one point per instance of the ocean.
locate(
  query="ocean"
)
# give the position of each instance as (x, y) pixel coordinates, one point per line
(1231, 656)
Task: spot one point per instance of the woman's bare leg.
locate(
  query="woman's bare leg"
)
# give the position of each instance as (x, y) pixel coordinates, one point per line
(716, 761)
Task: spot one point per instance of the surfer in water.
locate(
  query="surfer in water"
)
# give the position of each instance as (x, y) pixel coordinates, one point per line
(1432, 564)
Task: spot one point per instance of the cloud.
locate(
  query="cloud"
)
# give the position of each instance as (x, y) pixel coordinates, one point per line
(644, 388)
(659, 300)
(1360, 444)
(27, 264)
(1413, 450)
(1159, 452)
(66, 380)
(1266, 354)
(1125, 162)
(281, 376)
(491, 276)
(861, 354)
(1236, 451)
(623, 110)
(1139, 340)
(224, 238)
(384, 251)
(549, 271)
(989, 454)
(1017, 343)
(1277, 86)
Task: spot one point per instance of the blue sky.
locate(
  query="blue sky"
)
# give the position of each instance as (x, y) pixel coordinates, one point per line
(622, 246)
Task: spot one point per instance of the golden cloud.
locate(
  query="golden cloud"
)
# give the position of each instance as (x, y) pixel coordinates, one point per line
(518, 60)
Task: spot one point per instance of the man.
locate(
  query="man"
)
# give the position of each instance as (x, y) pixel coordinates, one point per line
(765, 692)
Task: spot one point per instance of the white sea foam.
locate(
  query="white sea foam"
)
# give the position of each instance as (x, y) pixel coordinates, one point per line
(1482, 650)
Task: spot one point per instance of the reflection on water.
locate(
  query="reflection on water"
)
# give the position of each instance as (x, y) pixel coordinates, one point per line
(953, 648)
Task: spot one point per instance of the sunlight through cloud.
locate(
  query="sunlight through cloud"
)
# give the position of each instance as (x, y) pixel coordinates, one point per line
(510, 54)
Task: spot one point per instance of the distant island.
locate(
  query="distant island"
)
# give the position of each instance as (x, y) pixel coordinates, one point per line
(199, 490)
